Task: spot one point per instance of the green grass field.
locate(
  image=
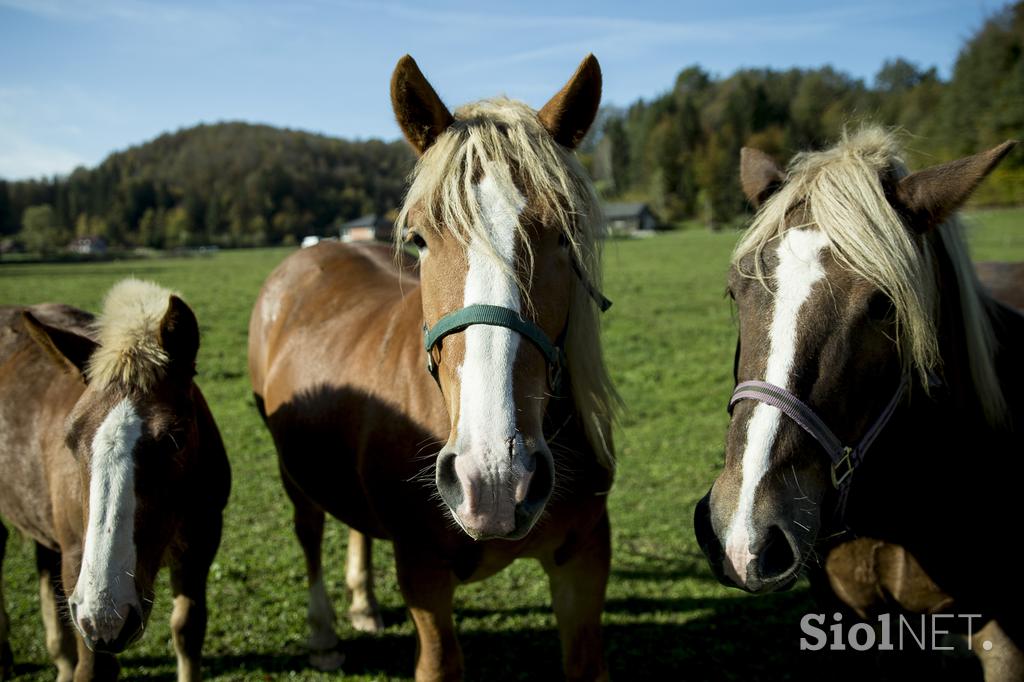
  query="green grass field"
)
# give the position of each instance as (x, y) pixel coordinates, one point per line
(669, 340)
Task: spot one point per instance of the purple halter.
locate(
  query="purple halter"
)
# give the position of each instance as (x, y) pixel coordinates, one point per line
(845, 458)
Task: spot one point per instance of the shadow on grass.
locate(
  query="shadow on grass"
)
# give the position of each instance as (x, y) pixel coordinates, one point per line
(662, 569)
(732, 638)
(27, 668)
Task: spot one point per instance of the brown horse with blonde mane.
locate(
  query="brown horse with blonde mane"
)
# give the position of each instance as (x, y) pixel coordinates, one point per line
(502, 312)
(878, 415)
(113, 465)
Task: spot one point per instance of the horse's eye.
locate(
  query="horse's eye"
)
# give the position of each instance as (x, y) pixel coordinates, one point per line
(880, 307)
(416, 240)
(174, 440)
(563, 240)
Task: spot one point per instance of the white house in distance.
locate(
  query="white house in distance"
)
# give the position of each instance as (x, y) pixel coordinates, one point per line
(367, 228)
(629, 218)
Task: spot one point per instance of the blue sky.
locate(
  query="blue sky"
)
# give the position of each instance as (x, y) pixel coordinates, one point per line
(81, 79)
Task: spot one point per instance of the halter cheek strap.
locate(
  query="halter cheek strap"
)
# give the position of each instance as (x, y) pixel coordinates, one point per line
(845, 458)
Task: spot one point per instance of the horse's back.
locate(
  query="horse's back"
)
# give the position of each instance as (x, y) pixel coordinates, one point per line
(35, 397)
(1008, 323)
(1004, 281)
(315, 293)
(12, 331)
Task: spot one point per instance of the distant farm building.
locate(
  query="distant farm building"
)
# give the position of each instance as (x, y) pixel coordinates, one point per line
(368, 228)
(628, 218)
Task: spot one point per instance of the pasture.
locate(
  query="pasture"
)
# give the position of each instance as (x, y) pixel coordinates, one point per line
(669, 339)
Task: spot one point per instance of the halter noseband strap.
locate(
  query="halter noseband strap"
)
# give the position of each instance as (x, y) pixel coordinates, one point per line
(498, 316)
(845, 459)
(495, 316)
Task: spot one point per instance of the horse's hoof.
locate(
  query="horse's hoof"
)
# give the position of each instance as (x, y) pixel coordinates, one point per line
(327, 661)
(6, 661)
(366, 621)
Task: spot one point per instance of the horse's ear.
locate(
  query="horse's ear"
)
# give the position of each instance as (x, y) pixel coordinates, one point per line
(179, 336)
(569, 114)
(760, 176)
(421, 114)
(68, 349)
(929, 197)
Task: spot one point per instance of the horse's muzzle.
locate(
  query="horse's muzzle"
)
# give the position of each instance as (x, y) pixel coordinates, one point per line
(489, 504)
(99, 635)
(775, 565)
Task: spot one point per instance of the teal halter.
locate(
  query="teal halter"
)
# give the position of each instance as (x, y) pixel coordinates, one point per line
(498, 316)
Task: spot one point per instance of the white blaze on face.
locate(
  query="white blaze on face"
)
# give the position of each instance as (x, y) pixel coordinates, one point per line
(106, 585)
(796, 273)
(487, 412)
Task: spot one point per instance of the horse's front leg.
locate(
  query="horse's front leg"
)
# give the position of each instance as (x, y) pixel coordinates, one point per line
(363, 611)
(578, 576)
(428, 587)
(94, 667)
(60, 636)
(90, 666)
(1002, 660)
(189, 572)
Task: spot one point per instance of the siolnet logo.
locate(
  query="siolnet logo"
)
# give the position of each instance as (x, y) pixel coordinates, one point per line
(888, 632)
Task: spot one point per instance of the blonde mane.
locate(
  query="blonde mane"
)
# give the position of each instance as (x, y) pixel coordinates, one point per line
(504, 139)
(130, 353)
(840, 191)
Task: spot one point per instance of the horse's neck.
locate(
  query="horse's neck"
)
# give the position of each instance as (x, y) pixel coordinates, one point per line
(940, 457)
(1008, 325)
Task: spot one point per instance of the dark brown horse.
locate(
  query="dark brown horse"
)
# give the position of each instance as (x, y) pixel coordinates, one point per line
(113, 465)
(502, 450)
(879, 412)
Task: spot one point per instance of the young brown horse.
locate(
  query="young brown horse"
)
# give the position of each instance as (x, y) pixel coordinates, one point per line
(877, 419)
(501, 313)
(113, 465)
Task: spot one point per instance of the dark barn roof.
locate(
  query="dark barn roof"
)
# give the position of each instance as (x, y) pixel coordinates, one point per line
(368, 220)
(620, 211)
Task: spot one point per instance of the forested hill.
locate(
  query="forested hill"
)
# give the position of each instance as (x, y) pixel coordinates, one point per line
(680, 151)
(228, 183)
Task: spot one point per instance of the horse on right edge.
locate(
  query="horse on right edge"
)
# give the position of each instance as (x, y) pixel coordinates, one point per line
(877, 417)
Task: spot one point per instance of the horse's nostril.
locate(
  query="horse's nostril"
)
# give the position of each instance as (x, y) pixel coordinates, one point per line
(133, 625)
(530, 463)
(705, 532)
(448, 480)
(542, 480)
(776, 557)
